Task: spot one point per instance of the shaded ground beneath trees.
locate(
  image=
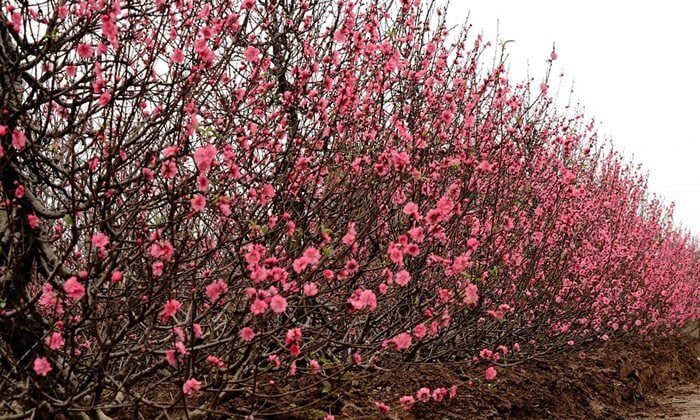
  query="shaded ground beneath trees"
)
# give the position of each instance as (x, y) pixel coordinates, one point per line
(628, 379)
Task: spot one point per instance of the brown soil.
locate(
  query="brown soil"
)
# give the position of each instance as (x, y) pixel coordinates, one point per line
(618, 380)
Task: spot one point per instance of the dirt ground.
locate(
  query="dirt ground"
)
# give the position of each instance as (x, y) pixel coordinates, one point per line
(617, 380)
(680, 402)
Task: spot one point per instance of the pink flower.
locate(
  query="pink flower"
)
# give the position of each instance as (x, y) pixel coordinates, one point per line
(420, 330)
(42, 366)
(544, 88)
(48, 296)
(170, 357)
(202, 183)
(423, 395)
(407, 402)
(216, 361)
(117, 276)
(170, 309)
(204, 157)
(55, 341)
(312, 255)
(258, 307)
(198, 202)
(157, 268)
(311, 289)
(191, 385)
(315, 366)
(197, 330)
(84, 50)
(299, 265)
(350, 236)
(382, 406)
(439, 394)
(19, 141)
(410, 209)
(216, 289)
(362, 299)
(19, 191)
(104, 99)
(357, 358)
(73, 288)
(33, 221)
(400, 342)
(278, 304)
(247, 334)
(293, 336)
(100, 240)
(490, 373)
(177, 56)
(252, 54)
(248, 4)
(402, 278)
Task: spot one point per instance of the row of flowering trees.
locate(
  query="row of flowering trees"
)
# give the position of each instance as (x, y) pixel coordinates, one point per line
(199, 193)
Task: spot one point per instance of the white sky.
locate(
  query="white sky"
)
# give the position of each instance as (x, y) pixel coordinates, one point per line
(635, 67)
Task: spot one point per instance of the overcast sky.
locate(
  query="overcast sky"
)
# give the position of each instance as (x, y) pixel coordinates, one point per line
(635, 67)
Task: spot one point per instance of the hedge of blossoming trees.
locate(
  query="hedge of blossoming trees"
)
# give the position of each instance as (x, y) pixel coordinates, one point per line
(198, 195)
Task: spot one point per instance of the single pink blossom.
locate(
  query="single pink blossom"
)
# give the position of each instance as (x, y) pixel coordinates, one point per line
(55, 341)
(490, 373)
(19, 191)
(258, 307)
(198, 202)
(247, 334)
(42, 366)
(191, 385)
(402, 278)
(216, 361)
(19, 140)
(204, 158)
(423, 395)
(400, 342)
(100, 240)
(439, 394)
(278, 304)
(157, 268)
(311, 289)
(33, 221)
(252, 54)
(177, 56)
(73, 288)
(170, 357)
(170, 309)
(381, 406)
(84, 50)
(407, 402)
(197, 329)
(312, 255)
(420, 331)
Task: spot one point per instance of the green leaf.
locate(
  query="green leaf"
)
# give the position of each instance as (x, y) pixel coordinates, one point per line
(326, 387)
(68, 220)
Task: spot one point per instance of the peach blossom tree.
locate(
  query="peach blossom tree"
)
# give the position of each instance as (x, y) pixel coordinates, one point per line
(200, 199)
